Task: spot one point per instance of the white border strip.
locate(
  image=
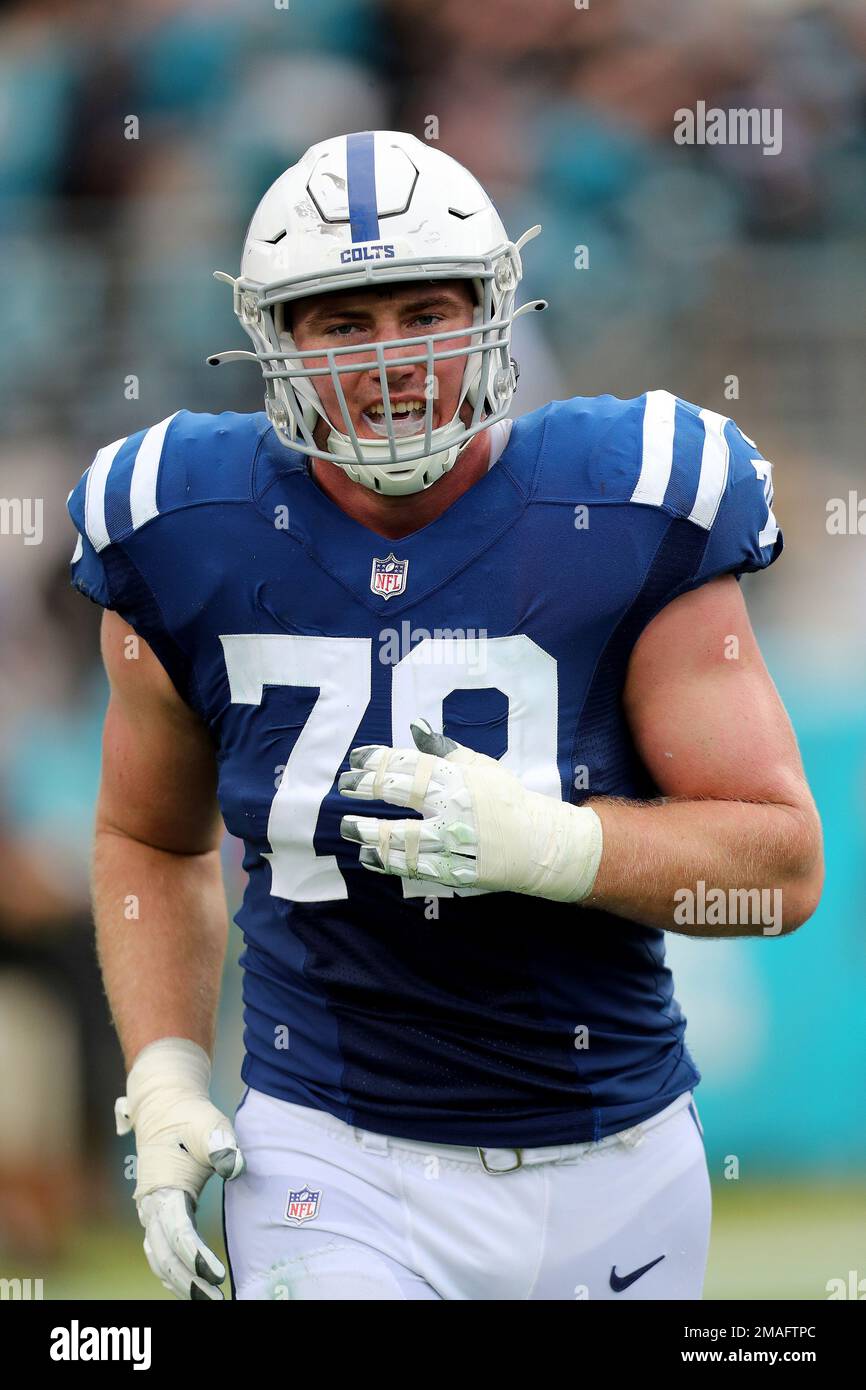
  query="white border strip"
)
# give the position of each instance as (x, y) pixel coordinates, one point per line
(94, 497)
(657, 455)
(145, 472)
(714, 470)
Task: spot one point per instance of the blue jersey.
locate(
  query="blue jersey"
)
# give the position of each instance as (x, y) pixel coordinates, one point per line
(296, 634)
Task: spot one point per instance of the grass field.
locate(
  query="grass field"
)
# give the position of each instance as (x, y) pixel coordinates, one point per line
(783, 1241)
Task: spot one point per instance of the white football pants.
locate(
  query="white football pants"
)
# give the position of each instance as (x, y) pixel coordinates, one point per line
(327, 1211)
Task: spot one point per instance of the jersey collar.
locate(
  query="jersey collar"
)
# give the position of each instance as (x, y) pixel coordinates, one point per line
(346, 549)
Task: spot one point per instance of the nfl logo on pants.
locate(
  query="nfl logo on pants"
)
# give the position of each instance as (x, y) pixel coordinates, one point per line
(389, 576)
(302, 1205)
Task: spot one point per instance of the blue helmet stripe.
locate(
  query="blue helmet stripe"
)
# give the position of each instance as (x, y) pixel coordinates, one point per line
(361, 179)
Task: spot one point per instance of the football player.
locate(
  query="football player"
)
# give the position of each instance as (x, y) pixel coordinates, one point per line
(482, 700)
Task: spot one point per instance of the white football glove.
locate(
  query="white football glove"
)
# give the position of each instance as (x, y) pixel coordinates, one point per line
(181, 1139)
(483, 827)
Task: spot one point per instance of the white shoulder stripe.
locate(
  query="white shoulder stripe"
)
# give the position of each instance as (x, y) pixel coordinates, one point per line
(145, 472)
(79, 544)
(714, 470)
(657, 456)
(94, 498)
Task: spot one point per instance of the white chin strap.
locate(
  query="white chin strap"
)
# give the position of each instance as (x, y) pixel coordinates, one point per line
(382, 474)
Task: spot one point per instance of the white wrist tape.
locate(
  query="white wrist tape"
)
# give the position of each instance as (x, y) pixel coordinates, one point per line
(168, 1105)
(528, 842)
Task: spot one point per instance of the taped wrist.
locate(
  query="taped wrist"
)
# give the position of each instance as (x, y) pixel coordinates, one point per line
(532, 843)
(168, 1105)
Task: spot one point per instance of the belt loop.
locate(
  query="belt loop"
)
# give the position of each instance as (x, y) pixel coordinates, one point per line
(630, 1138)
(372, 1143)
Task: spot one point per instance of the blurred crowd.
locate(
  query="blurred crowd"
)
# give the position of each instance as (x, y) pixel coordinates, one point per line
(135, 140)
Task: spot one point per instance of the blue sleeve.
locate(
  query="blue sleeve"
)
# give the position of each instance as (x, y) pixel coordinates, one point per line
(744, 535)
(699, 468)
(87, 572)
(87, 567)
(102, 570)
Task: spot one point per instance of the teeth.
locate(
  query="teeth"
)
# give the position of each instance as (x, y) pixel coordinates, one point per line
(408, 419)
(397, 408)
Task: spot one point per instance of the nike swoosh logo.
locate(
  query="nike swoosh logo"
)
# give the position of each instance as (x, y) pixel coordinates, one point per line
(618, 1282)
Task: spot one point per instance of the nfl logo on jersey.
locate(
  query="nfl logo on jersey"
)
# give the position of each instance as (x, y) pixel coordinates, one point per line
(389, 576)
(302, 1205)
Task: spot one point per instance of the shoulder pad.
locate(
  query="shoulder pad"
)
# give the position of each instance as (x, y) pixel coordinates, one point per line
(657, 451)
(185, 460)
(699, 465)
(589, 446)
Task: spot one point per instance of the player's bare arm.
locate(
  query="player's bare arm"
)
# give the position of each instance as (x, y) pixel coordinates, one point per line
(710, 727)
(161, 919)
(161, 928)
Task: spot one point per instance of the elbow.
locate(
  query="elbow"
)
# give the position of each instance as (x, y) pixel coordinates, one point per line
(800, 902)
(801, 894)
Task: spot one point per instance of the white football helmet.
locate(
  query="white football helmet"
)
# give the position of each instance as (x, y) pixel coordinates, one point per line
(367, 210)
